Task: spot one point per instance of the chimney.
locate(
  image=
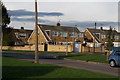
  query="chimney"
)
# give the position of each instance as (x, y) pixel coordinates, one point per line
(58, 24)
(22, 28)
(101, 28)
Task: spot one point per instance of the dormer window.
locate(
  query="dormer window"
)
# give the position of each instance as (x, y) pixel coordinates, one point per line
(97, 35)
(22, 35)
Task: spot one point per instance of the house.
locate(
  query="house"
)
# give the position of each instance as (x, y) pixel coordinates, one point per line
(48, 34)
(100, 37)
(20, 36)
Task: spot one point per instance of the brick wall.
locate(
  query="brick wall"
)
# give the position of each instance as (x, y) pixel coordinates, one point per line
(25, 48)
(60, 48)
(91, 49)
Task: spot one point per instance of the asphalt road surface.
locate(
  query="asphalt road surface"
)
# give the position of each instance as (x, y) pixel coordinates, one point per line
(50, 59)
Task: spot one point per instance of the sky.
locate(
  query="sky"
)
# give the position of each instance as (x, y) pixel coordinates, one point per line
(82, 14)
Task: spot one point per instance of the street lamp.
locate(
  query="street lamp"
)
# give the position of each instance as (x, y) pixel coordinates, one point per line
(94, 37)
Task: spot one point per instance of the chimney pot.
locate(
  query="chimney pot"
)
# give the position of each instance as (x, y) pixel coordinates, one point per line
(58, 24)
(22, 28)
(101, 28)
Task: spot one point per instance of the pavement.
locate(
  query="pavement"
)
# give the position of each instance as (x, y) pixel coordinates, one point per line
(77, 64)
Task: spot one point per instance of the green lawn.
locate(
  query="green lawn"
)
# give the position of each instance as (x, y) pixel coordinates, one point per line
(86, 57)
(13, 68)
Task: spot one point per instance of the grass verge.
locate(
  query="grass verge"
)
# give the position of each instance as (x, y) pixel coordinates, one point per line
(14, 68)
(86, 57)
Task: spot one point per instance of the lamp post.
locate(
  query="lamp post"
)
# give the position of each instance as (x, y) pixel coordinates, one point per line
(66, 46)
(94, 37)
(36, 34)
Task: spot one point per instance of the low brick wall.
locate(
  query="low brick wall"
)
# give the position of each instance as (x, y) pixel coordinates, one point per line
(26, 48)
(60, 48)
(88, 49)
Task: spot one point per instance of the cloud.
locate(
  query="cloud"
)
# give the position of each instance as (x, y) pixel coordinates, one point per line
(28, 20)
(23, 12)
(86, 24)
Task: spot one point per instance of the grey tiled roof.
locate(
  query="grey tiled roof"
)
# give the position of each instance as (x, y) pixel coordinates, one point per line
(60, 28)
(104, 31)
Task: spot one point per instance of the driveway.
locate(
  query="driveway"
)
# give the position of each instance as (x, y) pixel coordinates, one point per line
(50, 59)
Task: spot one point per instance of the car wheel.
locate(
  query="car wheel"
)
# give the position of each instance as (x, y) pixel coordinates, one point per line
(112, 63)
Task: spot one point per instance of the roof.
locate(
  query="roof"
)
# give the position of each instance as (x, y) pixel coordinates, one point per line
(20, 30)
(104, 31)
(60, 28)
(101, 31)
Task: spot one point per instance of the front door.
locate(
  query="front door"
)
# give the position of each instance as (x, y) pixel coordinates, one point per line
(45, 47)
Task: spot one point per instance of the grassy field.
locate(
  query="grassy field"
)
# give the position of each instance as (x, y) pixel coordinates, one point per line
(13, 68)
(86, 57)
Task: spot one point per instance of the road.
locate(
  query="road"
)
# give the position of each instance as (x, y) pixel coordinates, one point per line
(50, 59)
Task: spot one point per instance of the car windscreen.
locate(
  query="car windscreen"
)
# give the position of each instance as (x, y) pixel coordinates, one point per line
(117, 53)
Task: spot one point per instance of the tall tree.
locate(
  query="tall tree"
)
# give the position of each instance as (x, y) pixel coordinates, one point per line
(5, 20)
(5, 16)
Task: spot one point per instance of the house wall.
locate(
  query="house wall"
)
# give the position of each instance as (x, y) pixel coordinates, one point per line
(63, 39)
(41, 38)
(60, 48)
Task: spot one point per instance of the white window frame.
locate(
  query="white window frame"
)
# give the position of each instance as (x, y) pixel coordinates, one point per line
(54, 33)
(63, 34)
(22, 34)
(80, 34)
(117, 37)
(73, 34)
(103, 36)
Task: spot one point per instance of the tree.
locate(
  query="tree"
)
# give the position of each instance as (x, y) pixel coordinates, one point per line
(6, 40)
(110, 41)
(5, 16)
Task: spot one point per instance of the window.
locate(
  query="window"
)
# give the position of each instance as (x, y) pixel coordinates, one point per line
(72, 34)
(16, 34)
(22, 35)
(117, 37)
(63, 34)
(97, 35)
(48, 33)
(111, 37)
(117, 53)
(80, 35)
(54, 33)
(103, 36)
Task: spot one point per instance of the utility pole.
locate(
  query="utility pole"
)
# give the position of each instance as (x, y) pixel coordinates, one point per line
(36, 34)
(94, 37)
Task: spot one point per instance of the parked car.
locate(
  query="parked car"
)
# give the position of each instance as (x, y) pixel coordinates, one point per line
(114, 58)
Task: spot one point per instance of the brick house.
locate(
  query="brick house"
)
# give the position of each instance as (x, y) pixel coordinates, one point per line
(56, 35)
(100, 36)
(20, 36)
